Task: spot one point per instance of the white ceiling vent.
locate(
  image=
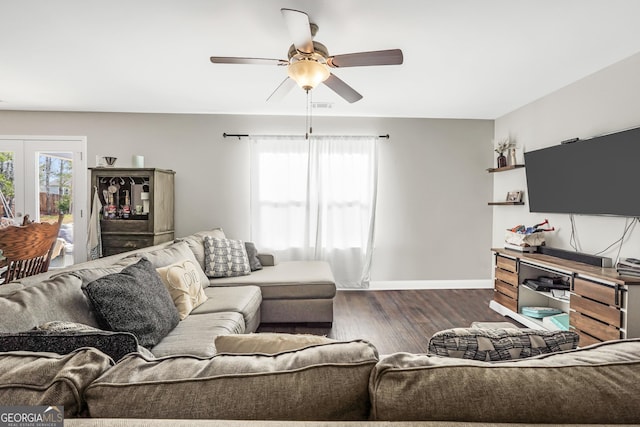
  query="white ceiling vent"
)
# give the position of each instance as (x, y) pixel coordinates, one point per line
(320, 105)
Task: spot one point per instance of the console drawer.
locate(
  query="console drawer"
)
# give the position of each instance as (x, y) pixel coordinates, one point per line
(594, 328)
(507, 263)
(506, 289)
(507, 276)
(602, 312)
(596, 291)
(506, 301)
(586, 339)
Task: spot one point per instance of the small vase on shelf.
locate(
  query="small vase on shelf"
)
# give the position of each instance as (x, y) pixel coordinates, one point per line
(512, 157)
(502, 161)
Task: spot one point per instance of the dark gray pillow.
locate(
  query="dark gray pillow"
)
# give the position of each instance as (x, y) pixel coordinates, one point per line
(134, 300)
(114, 344)
(252, 254)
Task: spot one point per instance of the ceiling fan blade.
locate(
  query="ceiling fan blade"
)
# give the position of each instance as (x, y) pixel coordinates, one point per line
(299, 29)
(360, 59)
(284, 88)
(342, 89)
(253, 61)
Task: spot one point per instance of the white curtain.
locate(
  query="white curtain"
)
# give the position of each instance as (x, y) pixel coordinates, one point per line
(315, 200)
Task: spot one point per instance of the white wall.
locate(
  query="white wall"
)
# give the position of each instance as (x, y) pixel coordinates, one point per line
(605, 102)
(433, 221)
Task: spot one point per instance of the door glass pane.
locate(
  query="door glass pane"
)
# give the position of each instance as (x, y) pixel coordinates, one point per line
(7, 188)
(55, 173)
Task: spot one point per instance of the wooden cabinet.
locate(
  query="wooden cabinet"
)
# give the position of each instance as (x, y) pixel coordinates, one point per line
(602, 305)
(137, 207)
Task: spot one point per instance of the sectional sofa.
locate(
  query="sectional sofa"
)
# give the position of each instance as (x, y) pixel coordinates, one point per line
(207, 368)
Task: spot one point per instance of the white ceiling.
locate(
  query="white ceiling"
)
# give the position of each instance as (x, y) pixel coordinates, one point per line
(462, 58)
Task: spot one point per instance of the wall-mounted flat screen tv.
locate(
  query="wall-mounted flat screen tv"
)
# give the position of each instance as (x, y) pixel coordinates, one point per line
(597, 176)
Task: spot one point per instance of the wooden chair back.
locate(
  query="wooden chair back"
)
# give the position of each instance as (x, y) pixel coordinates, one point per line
(27, 248)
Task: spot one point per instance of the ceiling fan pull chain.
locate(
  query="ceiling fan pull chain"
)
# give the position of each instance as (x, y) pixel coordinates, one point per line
(307, 124)
(310, 112)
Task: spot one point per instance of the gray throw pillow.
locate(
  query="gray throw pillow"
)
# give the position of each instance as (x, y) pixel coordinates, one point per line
(252, 254)
(134, 300)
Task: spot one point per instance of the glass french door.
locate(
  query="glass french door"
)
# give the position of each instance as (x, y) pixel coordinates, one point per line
(42, 178)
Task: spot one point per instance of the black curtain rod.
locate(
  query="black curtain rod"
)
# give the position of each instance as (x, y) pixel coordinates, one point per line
(242, 135)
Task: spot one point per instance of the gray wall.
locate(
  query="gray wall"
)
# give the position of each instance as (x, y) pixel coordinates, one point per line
(432, 219)
(605, 102)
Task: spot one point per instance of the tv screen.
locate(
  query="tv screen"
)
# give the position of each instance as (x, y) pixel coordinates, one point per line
(598, 176)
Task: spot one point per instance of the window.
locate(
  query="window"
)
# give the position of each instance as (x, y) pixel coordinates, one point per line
(316, 200)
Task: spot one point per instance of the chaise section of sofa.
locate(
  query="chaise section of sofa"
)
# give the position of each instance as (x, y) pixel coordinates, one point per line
(292, 291)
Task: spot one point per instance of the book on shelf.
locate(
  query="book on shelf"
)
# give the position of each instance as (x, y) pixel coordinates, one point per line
(629, 264)
(628, 272)
(557, 322)
(539, 312)
(542, 286)
(560, 294)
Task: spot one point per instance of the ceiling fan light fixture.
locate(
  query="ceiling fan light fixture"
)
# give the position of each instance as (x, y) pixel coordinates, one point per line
(308, 73)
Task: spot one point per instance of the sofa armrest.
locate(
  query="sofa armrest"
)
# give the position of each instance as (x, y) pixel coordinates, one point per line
(267, 260)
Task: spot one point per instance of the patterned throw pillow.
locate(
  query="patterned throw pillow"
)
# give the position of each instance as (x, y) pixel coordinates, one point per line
(65, 337)
(225, 257)
(183, 283)
(499, 344)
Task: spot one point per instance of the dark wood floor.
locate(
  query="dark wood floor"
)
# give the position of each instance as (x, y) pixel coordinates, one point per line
(401, 320)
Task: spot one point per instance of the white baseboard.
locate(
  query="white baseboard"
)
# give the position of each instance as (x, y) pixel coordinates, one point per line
(388, 285)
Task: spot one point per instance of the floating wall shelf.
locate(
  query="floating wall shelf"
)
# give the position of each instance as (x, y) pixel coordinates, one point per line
(505, 203)
(505, 168)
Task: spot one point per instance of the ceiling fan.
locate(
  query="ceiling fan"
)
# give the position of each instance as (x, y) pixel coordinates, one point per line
(309, 61)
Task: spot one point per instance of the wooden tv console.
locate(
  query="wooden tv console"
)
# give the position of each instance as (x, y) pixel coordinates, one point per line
(602, 305)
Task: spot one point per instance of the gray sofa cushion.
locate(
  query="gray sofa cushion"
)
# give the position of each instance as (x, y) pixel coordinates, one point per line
(134, 300)
(288, 280)
(595, 384)
(324, 382)
(35, 379)
(88, 275)
(173, 253)
(267, 343)
(196, 242)
(245, 300)
(195, 335)
(500, 344)
(34, 305)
